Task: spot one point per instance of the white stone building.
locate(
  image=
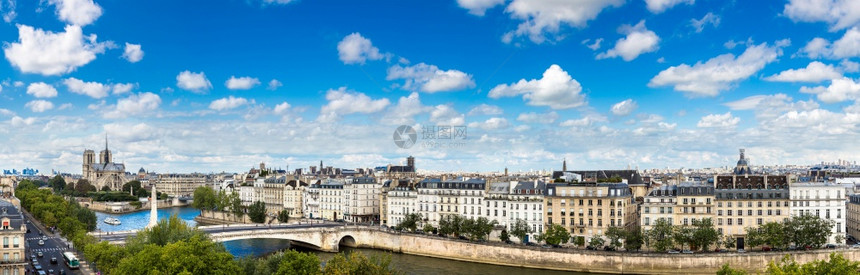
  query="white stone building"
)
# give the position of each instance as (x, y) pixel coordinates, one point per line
(658, 204)
(824, 200)
(293, 193)
(361, 197)
(311, 198)
(332, 200)
(402, 200)
(438, 197)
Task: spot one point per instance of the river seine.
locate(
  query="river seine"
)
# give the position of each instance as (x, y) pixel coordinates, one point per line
(409, 264)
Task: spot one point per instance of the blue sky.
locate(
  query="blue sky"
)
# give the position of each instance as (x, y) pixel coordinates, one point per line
(182, 86)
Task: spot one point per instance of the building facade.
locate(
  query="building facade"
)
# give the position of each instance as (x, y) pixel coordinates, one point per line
(12, 230)
(852, 217)
(361, 195)
(103, 172)
(745, 200)
(402, 201)
(589, 208)
(294, 191)
(179, 185)
(823, 200)
(659, 204)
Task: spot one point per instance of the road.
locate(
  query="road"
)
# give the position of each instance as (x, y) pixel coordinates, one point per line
(53, 247)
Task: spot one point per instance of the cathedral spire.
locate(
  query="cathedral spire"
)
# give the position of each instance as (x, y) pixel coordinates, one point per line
(106, 144)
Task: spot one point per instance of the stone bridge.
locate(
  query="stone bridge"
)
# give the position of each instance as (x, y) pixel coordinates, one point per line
(326, 237)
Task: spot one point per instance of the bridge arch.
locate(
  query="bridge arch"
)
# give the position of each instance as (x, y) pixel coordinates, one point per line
(347, 241)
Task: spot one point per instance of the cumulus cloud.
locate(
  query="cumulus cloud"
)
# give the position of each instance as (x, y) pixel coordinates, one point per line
(594, 45)
(718, 121)
(814, 72)
(768, 107)
(719, 73)
(479, 7)
(227, 103)
(343, 102)
(430, 79)
(581, 122)
(543, 118)
(840, 89)
(355, 49)
(77, 12)
(556, 89)
(485, 109)
(195, 82)
(41, 90)
(8, 11)
(406, 109)
(709, 19)
(840, 14)
(659, 6)
(274, 84)
(281, 108)
(847, 46)
(121, 88)
(48, 53)
(17, 121)
(494, 123)
(241, 83)
(132, 53)
(624, 108)
(92, 89)
(639, 40)
(445, 115)
(545, 18)
(134, 105)
(38, 106)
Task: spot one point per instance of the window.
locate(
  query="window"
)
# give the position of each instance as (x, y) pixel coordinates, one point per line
(749, 212)
(740, 221)
(758, 221)
(5, 242)
(729, 221)
(647, 209)
(719, 221)
(15, 242)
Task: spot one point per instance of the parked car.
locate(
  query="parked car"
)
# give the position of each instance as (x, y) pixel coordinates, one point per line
(765, 248)
(855, 246)
(556, 246)
(687, 251)
(51, 271)
(674, 251)
(530, 244)
(742, 250)
(831, 246)
(607, 248)
(509, 242)
(463, 238)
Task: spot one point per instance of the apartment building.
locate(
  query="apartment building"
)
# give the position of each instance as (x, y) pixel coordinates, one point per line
(179, 185)
(824, 200)
(440, 197)
(273, 194)
(658, 204)
(332, 200)
(589, 208)
(361, 195)
(311, 198)
(745, 200)
(293, 193)
(402, 201)
(12, 230)
(852, 216)
(695, 201)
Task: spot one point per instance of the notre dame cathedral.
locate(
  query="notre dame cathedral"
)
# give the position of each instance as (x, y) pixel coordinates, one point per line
(105, 172)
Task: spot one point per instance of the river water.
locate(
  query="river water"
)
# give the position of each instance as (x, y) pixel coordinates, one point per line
(409, 264)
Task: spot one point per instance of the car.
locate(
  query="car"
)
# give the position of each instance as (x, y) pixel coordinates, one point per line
(556, 246)
(53, 260)
(41, 242)
(674, 251)
(38, 267)
(687, 251)
(855, 246)
(32, 256)
(45, 237)
(509, 242)
(546, 246)
(51, 271)
(608, 248)
(42, 272)
(463, 238)
(742, 250)
(40, 254)
(530, 244)
(831, 246)
(765, 248)
(62, 272)
(589, 247)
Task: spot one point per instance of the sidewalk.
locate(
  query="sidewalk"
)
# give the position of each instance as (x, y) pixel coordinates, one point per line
(85, 267)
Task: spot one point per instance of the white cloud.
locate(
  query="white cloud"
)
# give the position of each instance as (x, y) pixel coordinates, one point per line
(814, 72)
(134, 105)
(49, 53)
(274, 84)
(849, 66)
(405, 110)
(486, 109)
(445, 115)
(718, 73)
(355, 49)
(479, 7)
(542, 18)
(747, 103)
(8, 11)
(543, 118)
(840, 89)
(659, 6)
(840, 14)
(494, 123)
(817, 47)
(281, 108)
(77, 12)
(227, 103)
(718, 121)
(849, 44)
(556, 89)
(343, 102)
(582, 122)
(121, 88)
(38, 106)
(430, 79)
(639, 40)
(92, 89)
(278, 2)
(41, 90)
(65, 106)
(709, 18)
(241, 83)
(132, 53)
(593, 46)
(624, 108)
(19, 121)
(195, 82)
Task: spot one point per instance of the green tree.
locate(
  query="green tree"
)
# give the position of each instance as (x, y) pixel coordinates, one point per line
(836, 264)
(683, 236)
(106, 255)
(579, 241)
(539, 238)
(82, 187)
(410, 222)
(105, 188)
(727, 270)
(429, 229)
(236, 206)
(704, 234)
(481, 228)
(197, 255)
(729, 242)
(662, 235)
(298, 263)
(596, 241)
(358, 263)
(773, 234)
(556, 234)
(134, 187)
(57, 183)
(504, 237)
(204, 198)
(283, 216)
(257, 212)
(633, 239)
(520, 229)
(615, 234)
(451, 224)
(170, 230)
(808, 230)
(754, 237)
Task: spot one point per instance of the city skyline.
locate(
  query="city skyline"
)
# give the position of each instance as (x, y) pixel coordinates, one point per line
(183, 87)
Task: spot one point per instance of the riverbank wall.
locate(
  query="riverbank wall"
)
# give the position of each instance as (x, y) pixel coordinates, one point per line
(579, 260)
(221, 217)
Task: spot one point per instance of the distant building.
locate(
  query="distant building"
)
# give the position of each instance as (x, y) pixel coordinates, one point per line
(852, 217)
(105, 172)
(179, 185)
(742, 167)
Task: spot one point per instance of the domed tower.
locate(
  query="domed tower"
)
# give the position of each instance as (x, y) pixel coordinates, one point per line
(743, 167)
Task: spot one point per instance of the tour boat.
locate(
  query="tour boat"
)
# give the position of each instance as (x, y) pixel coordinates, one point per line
(112, 221)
